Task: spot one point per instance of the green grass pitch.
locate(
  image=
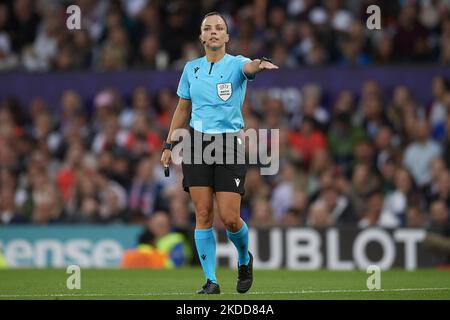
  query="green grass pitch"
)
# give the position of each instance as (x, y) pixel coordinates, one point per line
(182, 284)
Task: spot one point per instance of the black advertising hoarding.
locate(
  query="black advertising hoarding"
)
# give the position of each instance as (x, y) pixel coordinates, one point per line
(333, 248)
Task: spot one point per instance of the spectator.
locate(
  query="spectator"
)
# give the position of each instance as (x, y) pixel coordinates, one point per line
(181, 215)
(311, 107)
(281, 57)
(276, 19)
(116, 50)
(82, 49)
(309, 50)
(441, 190)
(144, 192)
(190, 51)
(383, 50)
(255, 188)
(66, 176)
(321, 163)
(282, 194)
(148, 20)
(415, 218)
(364, 182)
(120, 168)
(345, 102)
(166, 104)
(71, 105)
(38, 57)
(447, 143)
(438, 108)
(262, 216)
(88, 211)
(319, 216)
(73, 122)
(111, 137)
(24, 24)
(291, 219)
(296, 214)
(8, 58)
(399, 112)
(176, 29)
(106, 104)
(397, 201)
(387, 146)
(273, 112)
(342, 138)
(373, 115)
(439, 215)
(437, 168)
(151, 56)
(444, 41)
(43, 132)
(419, 154)
(410, 38)
(307, 140)
(352, 54)
(158, 233)
(141, 105)
(112, 200)
(373, 210)
(8, 211)
(47, 207)
(159, 246)
(338, 206)
(142, 140)
(364, 153)
(82, 205)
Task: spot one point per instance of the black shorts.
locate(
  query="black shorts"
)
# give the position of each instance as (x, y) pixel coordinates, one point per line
(214, 160)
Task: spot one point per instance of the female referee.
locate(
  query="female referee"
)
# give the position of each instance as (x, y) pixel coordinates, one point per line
(211, 91)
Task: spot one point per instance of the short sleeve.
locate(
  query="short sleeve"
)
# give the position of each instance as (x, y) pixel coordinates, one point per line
(241, 62)
(183, 85)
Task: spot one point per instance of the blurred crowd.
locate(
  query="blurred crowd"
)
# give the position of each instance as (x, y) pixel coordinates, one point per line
(163, 34)
(370, 158)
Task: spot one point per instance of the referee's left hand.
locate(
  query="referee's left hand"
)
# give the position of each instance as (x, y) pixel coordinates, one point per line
(267, 65)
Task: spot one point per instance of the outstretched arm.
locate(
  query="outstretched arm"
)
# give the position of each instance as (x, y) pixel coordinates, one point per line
(258, 65)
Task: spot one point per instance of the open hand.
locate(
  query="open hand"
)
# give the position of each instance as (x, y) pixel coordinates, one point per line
(267, 65)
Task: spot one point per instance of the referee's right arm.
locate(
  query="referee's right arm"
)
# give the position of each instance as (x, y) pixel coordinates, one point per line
(180, 117)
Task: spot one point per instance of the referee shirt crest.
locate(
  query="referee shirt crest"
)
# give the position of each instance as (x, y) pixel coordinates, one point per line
(224, 90)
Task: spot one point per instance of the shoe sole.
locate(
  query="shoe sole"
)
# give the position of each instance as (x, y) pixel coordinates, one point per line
(208, 293)
(215, 292)
(245, 289)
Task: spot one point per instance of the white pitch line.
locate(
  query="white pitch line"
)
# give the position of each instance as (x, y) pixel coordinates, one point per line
(190, 293)
(361, 290)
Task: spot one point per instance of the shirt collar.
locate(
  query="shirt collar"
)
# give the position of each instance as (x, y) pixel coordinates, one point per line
(223, 58)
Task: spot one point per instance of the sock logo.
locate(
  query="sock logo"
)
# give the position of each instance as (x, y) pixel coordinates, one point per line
(203, 256)
(237, 182)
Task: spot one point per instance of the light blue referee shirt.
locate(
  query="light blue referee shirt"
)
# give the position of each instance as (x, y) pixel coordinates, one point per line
(217, 92)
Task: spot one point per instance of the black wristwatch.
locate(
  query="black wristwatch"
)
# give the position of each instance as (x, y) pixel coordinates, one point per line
(168, 146)
(265, 59)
